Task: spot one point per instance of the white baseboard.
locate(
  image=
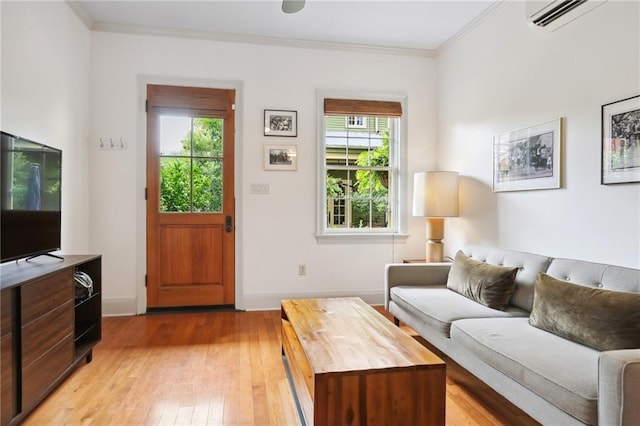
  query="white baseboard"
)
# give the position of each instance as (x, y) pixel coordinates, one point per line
(113, 307)
(266, 302)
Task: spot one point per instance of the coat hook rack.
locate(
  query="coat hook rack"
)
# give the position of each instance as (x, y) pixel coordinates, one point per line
(111, 145)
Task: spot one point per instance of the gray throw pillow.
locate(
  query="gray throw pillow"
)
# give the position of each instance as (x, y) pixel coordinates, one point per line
(602, 319)
(488, 284)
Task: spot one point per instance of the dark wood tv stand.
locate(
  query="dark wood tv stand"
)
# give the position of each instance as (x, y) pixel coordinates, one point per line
(47, 330)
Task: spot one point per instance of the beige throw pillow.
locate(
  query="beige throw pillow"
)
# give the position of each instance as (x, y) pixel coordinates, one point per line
(602, 319)
(488, 284)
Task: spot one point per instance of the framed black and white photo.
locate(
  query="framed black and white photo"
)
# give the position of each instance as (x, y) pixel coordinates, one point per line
(528, 158)
(280, 157)
(280, 123)
(621, 141)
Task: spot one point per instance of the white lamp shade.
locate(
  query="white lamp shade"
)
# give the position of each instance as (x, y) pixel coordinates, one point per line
(435, 194)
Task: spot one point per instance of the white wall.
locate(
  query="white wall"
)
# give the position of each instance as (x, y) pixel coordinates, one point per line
(505, 75)
(501, 76)
(276, 231)
(45, 97)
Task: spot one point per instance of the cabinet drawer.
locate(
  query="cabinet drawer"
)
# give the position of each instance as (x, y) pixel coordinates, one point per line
(46, 294)
(40, 375)
(42, 334)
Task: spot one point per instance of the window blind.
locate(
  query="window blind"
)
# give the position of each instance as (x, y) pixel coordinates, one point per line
(352, 107)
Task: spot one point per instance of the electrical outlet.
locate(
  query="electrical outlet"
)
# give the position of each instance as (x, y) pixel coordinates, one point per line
(302, 269)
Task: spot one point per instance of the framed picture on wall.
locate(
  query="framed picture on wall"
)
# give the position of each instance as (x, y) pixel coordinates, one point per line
(621, 141)
(528, 158)
(280, 157)
(280, 123)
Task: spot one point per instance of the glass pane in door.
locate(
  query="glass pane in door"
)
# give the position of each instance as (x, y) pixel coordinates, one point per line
(207, 185)
(175, 137)
(191, 158)
(175, 191)
(207, 137)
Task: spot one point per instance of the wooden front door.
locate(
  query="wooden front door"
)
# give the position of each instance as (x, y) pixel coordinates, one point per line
(190, 196)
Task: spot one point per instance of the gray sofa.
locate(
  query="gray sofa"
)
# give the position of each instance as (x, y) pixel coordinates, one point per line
(553, 379)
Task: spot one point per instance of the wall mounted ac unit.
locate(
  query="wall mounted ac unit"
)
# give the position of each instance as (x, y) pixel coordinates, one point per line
(553, 14)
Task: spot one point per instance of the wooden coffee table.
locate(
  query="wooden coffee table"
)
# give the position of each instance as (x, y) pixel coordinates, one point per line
(349, 365)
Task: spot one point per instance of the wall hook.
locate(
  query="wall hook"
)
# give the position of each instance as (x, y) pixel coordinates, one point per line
(111, 142)
(101, 143)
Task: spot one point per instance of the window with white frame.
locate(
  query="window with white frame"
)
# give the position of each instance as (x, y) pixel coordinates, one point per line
(360, 161)
(356, 122)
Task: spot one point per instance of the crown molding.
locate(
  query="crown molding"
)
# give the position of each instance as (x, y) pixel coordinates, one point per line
(469, 27)
(97, 26)
(260, 40)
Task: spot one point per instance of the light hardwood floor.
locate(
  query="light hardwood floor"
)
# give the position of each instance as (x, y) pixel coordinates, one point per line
(219, 368)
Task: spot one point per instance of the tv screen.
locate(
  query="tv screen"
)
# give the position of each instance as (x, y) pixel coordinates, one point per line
(30, 217)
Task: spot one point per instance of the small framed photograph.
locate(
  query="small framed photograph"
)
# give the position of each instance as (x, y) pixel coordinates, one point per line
(528, 158)
(280, 157)
(280, 123)
(621, 141)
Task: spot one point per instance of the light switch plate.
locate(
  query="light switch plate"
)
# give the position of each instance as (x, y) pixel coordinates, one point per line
(260, 188)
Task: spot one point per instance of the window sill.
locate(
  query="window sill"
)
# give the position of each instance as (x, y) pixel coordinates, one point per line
(352, 238)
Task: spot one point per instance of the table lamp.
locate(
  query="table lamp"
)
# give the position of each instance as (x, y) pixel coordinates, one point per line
(435, 196)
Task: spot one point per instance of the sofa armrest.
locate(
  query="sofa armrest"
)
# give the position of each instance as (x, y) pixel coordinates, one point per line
(619, 387)
(414, 274)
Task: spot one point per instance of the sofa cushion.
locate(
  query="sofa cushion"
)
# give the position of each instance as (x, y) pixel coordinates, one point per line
(563, 372)
(602, 319)
(488, 284)
(438, 307)
(528, 265)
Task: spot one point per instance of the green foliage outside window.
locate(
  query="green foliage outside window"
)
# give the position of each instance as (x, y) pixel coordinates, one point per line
(374, 184)
(175, 191)
(369, 194)
(191, 180)
(334, 187)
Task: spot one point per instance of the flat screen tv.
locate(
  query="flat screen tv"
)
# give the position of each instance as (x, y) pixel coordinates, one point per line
(30, 217)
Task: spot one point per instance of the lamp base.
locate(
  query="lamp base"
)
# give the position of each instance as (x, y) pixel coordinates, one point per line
(435, 235)
(435, 251)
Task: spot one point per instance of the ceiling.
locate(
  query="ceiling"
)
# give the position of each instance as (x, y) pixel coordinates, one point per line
(420, 25)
